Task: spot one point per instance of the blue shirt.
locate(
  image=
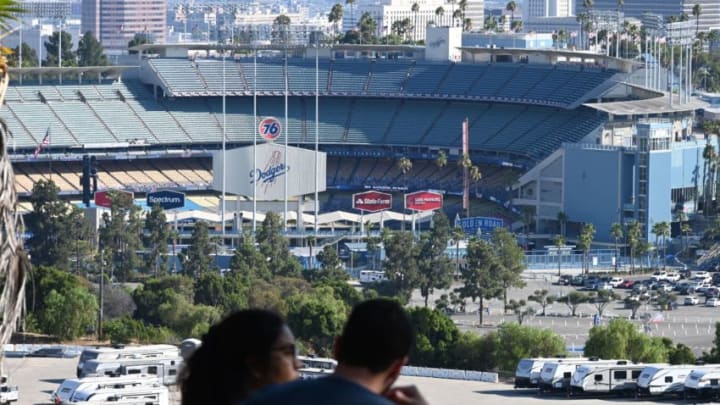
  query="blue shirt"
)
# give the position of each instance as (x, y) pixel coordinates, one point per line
(331, 390)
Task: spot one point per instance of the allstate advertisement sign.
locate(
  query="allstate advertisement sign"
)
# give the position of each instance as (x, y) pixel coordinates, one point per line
(372, 201)
(167, 199)
(267, 179)
(423, 201)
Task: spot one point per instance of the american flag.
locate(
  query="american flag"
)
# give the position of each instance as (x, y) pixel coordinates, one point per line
(45, 142)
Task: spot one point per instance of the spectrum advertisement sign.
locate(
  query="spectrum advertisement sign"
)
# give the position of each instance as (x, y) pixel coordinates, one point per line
(167, 199)
(423, 201)
(372, 201)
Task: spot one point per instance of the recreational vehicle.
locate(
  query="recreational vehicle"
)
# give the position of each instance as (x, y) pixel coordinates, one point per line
(608, 378)
(555, 375)
(527, 373)
(155, 395)
(72, 385)
(657, 380)
(129, 352)
(703, 383)
(315, 367)
(165, 369)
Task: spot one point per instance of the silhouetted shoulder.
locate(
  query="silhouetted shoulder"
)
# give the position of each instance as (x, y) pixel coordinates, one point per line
(321, 391)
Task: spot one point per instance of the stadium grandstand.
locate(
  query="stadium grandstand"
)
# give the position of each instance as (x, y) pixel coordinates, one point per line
(156, 125)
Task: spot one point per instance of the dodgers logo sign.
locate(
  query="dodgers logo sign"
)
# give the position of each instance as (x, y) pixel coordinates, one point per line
(270, 128)
(271, 171)
(166, 199)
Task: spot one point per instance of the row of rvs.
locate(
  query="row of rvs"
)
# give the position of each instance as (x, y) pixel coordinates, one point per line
(575, 376)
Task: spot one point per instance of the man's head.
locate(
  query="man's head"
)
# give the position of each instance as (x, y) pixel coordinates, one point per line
(377, 337)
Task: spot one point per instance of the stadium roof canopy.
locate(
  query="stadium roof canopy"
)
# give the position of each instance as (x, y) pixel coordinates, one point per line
(175, 49)
(651, 106)
(99, 71)
(551, 56)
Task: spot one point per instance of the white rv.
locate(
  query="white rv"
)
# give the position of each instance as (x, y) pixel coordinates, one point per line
(607, 378)
(155, 395)
(129, 352)
(315, 367)
(527, 373)
(555, 375)
(165, 369)
(72, 385)
(703, 382)
(658, 380)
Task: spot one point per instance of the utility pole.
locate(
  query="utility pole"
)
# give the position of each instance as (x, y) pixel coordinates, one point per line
(102, 287)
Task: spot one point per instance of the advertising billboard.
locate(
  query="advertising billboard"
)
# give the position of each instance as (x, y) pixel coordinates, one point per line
(167, 199)
(272, 171)
(423, 201)
(372, 201)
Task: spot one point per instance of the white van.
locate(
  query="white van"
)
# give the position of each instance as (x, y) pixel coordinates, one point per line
(372, 276)
(527, 373)
(315, 367)
(703, 383)
(128, 352)
(658, 380)
(67, 388)
(155, 395)
(556, 375)
(165, 369)
(598, 379)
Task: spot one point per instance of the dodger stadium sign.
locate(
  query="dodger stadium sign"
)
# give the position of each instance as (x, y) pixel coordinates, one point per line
(272, 171)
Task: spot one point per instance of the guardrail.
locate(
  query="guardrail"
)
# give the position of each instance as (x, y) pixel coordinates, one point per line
(450, 374)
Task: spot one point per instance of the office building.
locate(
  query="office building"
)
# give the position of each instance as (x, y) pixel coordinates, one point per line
(115, 22)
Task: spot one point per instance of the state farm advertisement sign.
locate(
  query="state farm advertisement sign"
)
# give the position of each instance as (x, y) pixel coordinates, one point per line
(423, 201)
(372, 201)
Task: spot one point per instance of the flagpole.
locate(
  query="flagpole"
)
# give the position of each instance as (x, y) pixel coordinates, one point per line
(254, 136)
(317, 128)
(287, 131)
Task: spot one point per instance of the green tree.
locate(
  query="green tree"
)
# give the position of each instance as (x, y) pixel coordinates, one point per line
(139, 39)
(198, 259)
(316, 318)
(248, 262)
(274, 246)
(400, 264)
(696, 11)
(436, 335)
(351, 3)
(633, 304)
(616, 232)
(584, 243)
(562, 219)
(560, 244)
(368, 28)
(281, 29)
(573, 300)
(633, 239)
(120, 235)
(51, 48)
(441, 160)
(90, 52)
(331, 268)
(480, 274)
(661, 231)
(511, 258)
(511, 6)
(9, 11)
(68, 314)
(415, 8)
(665, 300)
(543, 298)
(56, 228)
(334, 18)
(154, 292)
(435, 269)
(515, 342)
(157, 240)
(620, 339)
(520, 309)
(680, 354)
(457, 236)
(28, 53)
(714, 355)
(601, 299)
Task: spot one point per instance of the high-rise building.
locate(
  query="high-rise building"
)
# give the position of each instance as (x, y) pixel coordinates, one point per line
(475, 11)
(115, 22)
(548, 8)
(386, 12)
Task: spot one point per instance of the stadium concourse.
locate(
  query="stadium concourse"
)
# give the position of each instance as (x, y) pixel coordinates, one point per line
(156, 125)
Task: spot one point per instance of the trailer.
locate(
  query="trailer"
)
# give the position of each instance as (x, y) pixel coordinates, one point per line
(527, 373)
(658, 380)
(556, 375)
(605, 378)
(703, 383)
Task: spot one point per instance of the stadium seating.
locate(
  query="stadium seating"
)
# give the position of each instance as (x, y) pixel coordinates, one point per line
(211, 70)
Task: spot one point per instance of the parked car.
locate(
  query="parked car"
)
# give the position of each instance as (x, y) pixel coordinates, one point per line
(701, 274)
(639, 288)
(686, 288)
(616, 281)
(712, 292)
(627, 284)
(603, 285)
(667, 287)
(565, 279)
(578, 281)
(665, 275)
(702, 286)
(691, 300)
(712, 302)
(58, 352)
(591, 282)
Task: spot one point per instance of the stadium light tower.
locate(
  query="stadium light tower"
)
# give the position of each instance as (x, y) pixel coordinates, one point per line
(224, 180)
(255, 123)
(317, 126)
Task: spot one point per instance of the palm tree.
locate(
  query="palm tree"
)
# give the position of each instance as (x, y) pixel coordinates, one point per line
(439, 12)
(457, 235)
(588, 5)
(562, 220)
(475, 176)
(560, 244)
(463, 6)
(585, 242)
(441, 160)
(516, 26)
(351, 3)
(661, 229)
(511, 6)
(696, 11)
(467, 24)
(311, 243)
(709, 158)
(490, 23)
(452, 10)
(616, 231)
(335, 16)
(405, 165)
(415, 9)
(685, 229)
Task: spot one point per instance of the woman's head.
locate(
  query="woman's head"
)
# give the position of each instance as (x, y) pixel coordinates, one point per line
(246, 351)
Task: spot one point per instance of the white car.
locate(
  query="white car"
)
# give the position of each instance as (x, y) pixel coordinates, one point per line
(701, 275)
(691, 300)
(712, 302)
(667, 287)
(616, 281)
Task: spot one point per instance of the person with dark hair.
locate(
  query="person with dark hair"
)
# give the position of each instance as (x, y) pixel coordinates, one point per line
(246, 351)
(371, 351)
